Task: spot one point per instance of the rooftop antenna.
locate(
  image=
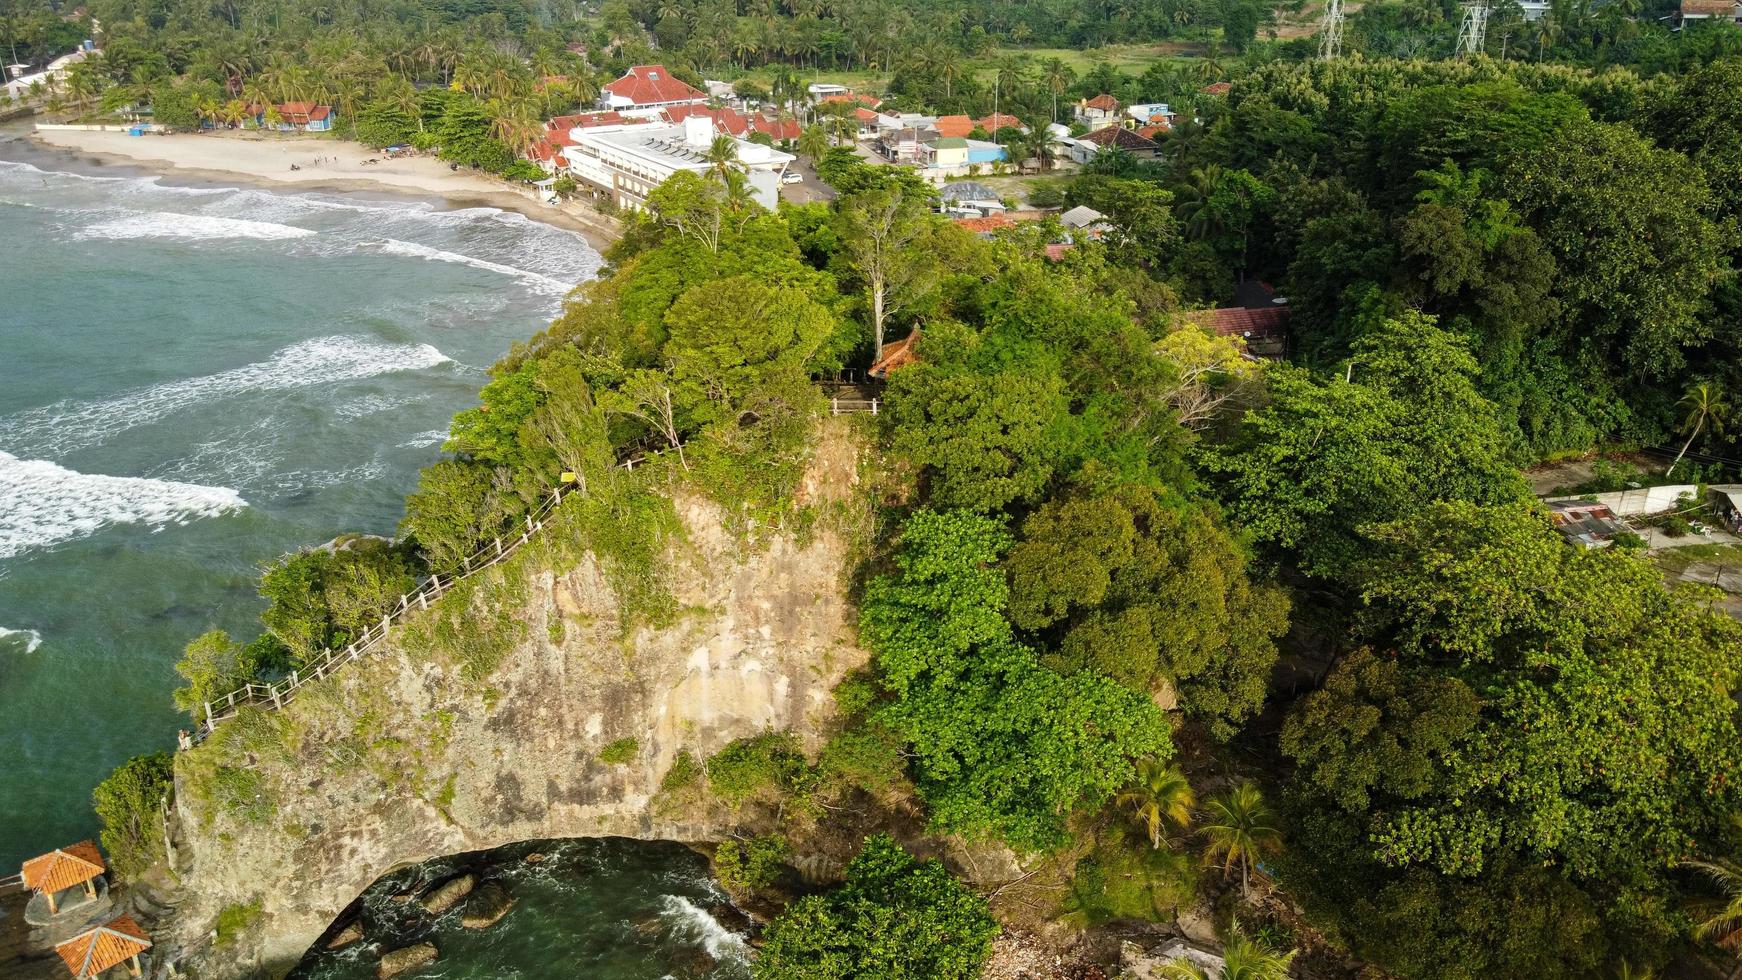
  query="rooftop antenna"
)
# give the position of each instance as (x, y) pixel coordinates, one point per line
(1331, 31)
(1474, 29)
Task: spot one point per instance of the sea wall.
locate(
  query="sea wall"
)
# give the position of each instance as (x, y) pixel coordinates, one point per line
(482, 724)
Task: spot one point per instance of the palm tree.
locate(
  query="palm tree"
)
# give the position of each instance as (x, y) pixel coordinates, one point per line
(1627, 971)
(1056, 76)
(1724, 925)
(1239, 829)
(1704, 407)
(1242, 959)
(722, 154)
(1159, 797)
(813, 143)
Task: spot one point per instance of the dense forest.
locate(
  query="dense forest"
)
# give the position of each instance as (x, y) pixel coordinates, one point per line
(1169, 622)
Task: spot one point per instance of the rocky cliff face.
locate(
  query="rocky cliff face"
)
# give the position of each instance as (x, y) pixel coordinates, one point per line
(483, 725)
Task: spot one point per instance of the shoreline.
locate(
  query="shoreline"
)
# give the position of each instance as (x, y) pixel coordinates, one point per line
(264, 163)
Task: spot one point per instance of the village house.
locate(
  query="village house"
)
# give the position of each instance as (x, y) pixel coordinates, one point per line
(1584, 523)
(645, 89)
(1260, 318)
(953, 127)
(735, 123)
(307, 116)
(1126, 139)
(626, 163)
(991, 124)
(1102, 110)
(1712, 10)
(902, 145)
(969, 199)
(1150, 114)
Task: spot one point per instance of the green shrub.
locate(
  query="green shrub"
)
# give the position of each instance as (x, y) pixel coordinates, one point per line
(127, 803)
(620, 752)
(1628, 540)
(242, 792)
(750, 766)
(684, 773)
(235, 919)
(750, 865)
(894, 916)
(1126, 879)
(1676, 527)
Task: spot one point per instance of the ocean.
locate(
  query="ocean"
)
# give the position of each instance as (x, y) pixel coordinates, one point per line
(193, 380)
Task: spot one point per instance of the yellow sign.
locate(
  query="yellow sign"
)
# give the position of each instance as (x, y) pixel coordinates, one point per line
(568, 476)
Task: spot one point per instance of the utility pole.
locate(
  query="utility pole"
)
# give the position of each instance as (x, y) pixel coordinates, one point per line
(1474, 29)
(1331, 31)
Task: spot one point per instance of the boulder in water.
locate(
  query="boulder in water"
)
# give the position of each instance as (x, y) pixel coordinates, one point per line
(536, 857)
(448, 894)
(487, 907)
(405, 958)
(346, 936)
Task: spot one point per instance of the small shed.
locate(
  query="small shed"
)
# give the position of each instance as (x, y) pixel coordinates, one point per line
(64, 868)
(968, 198)
(95, 950)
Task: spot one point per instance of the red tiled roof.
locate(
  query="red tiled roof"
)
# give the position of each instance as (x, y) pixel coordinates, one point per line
(1151, 132)
(1104, 102)
(1056, 251)
(864, 115)
(91, 952)
(869, 100)
(653, 85)
(734, 122)
(585, 120)
(896, 355)
(1121, 137)
(1218, 88)
(303, 113)
(1269, 323)
(953, 126)
(998, 120)
(61, 869)
(986, 225)
(1707, 8)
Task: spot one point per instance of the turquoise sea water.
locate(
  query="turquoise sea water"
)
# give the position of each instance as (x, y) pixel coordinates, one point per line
(589, 910)
(193, 380)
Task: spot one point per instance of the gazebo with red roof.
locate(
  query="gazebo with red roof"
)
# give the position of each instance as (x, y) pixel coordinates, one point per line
(896, 355)
(99, 948)
(64, 868)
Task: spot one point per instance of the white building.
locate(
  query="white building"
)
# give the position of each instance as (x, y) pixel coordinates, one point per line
(1150, 112)
(628, 162)
(646, 89)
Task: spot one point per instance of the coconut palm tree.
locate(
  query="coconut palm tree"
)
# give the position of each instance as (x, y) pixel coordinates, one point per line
(1627, 971)
(813, 143)
(722, 154)
(1056, 76)
(1703, 407)
(1239, 829)
(1242, 959)
(1160, 797)
(1724, 925)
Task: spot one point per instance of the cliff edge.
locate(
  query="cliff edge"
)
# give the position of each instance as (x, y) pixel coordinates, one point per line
(484, 720)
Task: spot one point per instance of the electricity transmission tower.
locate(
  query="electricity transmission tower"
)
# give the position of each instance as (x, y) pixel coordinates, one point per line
(1331, 31)
(1474, 29)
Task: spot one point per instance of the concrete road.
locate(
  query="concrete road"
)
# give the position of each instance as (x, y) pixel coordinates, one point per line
(811, 189)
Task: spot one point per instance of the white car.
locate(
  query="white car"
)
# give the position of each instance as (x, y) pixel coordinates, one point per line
(792, 177)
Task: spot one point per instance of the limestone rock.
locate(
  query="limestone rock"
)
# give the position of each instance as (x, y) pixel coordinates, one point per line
(346, 936)
(487, 907)
(448, 895)
(536, 857)
(1198, 924)
(405, 958)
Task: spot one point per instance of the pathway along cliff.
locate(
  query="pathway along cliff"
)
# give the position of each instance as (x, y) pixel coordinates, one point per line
(481, 722)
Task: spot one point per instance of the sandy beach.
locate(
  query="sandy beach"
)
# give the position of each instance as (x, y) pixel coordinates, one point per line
(322, 164)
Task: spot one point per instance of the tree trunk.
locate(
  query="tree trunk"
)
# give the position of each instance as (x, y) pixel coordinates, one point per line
(877, 318)
(1691, 437)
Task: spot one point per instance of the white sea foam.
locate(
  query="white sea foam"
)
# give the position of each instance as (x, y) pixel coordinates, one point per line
(537, 280)
(30, 638)
(692, 922)
(201, 227)
(66, 426)
(433, 437)
(42, 504)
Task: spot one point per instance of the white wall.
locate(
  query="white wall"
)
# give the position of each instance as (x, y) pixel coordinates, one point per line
(1646, 500)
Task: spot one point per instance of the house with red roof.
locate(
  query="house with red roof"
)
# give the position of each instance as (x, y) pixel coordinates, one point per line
(1261, 319)
(1128, 140)
(303, 115)
(648, 87)
(868, 101)
(735, 123)
(999, 120)
(953, 127)
(1218, 88)
(1099, 111)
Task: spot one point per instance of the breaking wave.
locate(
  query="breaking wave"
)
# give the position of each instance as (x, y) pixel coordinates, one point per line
(199, 227)
(692, 923)
(66, 426)
(42, 504)
(30, 638)
(537, 280)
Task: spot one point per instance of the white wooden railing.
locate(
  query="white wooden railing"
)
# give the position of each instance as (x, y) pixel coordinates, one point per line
(275, 695)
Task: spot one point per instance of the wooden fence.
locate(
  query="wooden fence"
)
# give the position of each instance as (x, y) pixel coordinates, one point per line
(275, 695)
